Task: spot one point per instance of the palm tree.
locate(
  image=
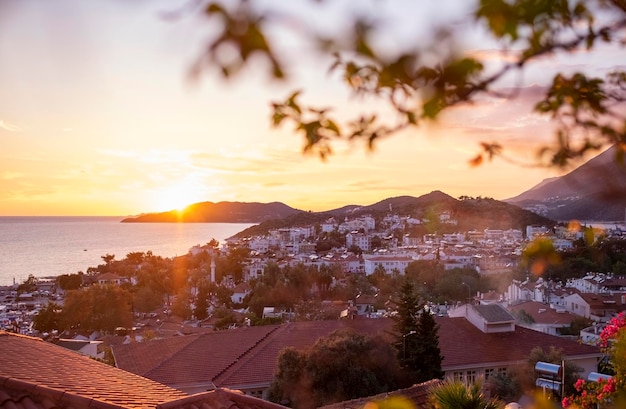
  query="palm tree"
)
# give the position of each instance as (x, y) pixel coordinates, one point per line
(456, 395)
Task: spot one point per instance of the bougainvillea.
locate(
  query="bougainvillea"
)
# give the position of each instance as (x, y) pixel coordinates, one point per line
(610, 332)
(605, 393)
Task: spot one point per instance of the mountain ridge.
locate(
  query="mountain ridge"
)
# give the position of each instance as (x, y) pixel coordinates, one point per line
(595, 191)
(468, 213)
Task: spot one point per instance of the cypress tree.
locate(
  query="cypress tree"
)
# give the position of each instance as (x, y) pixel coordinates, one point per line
(417, 341)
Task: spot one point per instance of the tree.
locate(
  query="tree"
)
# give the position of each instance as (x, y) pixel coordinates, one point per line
(417, 341)
(70, 281)
(428, 348)
(28, 286)
(146, 299)
(405, 325)
(98, 308)
(420, 80)
(201, 310)
(49, 318)
(342, 366)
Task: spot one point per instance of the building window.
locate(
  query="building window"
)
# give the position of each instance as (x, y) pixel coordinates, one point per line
(470, 377)
(458, 376)
(489, 373)
(502, 371)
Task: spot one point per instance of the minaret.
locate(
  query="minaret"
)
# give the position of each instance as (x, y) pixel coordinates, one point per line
(212, 270)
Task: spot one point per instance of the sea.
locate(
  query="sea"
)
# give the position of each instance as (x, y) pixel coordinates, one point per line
(51, 246)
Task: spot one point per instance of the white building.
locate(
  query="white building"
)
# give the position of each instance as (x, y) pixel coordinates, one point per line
(390, 263)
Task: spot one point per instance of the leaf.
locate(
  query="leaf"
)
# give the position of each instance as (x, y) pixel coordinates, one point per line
(213, 8)
(278, 118)
(330, 124)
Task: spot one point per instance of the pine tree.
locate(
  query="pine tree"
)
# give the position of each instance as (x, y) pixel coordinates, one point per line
(428, 348)
(417, 339)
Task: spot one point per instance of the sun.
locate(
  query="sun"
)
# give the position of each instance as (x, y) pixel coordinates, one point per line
(177, 197)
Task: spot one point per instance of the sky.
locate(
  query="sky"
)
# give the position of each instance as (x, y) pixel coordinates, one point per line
(98, 115)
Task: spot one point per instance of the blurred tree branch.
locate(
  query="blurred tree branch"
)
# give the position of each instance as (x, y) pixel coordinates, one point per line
(419, 84)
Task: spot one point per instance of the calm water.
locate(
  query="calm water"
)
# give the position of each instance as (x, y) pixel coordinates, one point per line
(49, 246)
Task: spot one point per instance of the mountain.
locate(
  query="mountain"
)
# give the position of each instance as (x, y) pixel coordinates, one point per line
(222, 212)
(595, 191)
(469, 214)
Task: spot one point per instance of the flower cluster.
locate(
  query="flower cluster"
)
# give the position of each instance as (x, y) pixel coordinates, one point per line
(590, 394)
(612, 328)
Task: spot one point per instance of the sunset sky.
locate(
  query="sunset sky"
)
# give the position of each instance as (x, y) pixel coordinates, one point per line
(98, 117)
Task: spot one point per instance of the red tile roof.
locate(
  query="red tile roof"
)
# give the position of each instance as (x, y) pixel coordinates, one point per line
(39, 375)
(464, 345)
(241, 357)
(184, 360)
(46, 372)
(543, 314)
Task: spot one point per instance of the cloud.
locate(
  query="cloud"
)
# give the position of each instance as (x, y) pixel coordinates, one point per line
(9, 126)
(10, 175)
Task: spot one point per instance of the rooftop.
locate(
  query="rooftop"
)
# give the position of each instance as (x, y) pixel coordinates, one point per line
(39, 375)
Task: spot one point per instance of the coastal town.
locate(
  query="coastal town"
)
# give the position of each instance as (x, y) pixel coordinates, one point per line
(256, 295)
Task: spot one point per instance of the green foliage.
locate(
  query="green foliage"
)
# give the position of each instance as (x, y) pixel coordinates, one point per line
(181, 307)
(200, 312)
(70, 281)
(28, 286)
(554, 356)
(224, 318)
(342, 366)
(417, 340)
(49, 318)
(97, 308)
(146, 299)
(505, 387)
(524, 317)
(428, 348)
(419, 81)
(454, 395)
(577, 325)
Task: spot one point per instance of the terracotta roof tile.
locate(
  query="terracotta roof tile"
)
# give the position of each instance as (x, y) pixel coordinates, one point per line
(543, 314)
(39, 375)
(203, 356)
(37, 369)
(219, 358)
(483, 348)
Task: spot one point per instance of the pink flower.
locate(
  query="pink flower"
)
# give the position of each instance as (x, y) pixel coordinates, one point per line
(580, 383)
(609, 387)
(566, 402)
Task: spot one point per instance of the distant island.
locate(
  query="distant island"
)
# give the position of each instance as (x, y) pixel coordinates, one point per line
(221, 212)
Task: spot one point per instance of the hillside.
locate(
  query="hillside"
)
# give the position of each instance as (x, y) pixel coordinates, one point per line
(594, 191)
(470, 214)
(222, 212)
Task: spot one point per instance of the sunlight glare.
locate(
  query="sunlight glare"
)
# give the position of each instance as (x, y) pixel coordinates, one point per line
(177, 197)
